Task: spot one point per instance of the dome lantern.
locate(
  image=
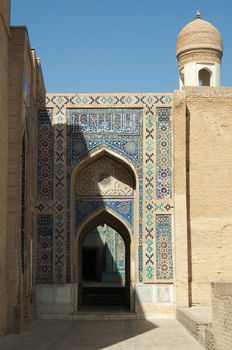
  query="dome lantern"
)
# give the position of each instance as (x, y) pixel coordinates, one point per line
(199, 49)
(198, 15)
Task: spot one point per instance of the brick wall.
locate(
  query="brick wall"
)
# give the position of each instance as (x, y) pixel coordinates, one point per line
(222, 315)
(5, 12)
(209, 169)
(23, 65)
(16, 66)
(4, 41)
(180, 183)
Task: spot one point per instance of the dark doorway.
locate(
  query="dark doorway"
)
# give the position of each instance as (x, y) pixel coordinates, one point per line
(104, 258)
(90, 264)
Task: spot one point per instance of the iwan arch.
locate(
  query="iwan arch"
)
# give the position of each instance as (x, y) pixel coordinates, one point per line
(114, 202)
(102, 266)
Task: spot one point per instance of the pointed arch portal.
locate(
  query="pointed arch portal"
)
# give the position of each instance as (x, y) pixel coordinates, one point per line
(104, 192)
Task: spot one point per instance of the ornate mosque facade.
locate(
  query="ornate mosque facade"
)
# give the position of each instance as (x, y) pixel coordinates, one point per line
(113, 201)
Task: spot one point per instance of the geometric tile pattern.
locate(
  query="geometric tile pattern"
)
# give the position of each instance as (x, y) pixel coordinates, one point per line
(84, 207)
(163, 207)
(115, 254)
(44, 249)
(163, 153)
(69, 146)
(60, 186)
(111, 101)
(149, 197)
(164, 259)
(120, 256)
(129, 148)
(45, 155)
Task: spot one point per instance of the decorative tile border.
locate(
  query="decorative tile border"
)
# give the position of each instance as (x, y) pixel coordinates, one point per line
(164, 253)
(60, 186)
(108, 100)
(149, 196)
(44, 266)
(45, 155)
(163, 153)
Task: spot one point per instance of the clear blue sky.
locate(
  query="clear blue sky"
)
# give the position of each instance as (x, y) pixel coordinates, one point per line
(115, 45)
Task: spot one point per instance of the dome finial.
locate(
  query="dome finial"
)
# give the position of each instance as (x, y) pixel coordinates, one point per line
(198, 15)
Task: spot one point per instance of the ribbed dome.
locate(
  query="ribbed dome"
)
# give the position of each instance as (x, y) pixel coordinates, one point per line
(199, 35)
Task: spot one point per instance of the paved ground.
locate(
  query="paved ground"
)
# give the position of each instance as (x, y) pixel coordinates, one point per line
(96, 335)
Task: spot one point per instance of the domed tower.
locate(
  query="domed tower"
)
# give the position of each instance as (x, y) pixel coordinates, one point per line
(199, 50)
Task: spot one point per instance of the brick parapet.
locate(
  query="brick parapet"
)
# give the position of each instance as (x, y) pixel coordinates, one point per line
(207, 92)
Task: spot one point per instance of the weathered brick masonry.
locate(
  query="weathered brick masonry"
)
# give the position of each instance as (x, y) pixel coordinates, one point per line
(222, 315)
(16, 291)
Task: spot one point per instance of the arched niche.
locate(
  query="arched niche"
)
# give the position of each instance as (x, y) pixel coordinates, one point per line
(204, 77)
(98, 154)
(105, 177)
